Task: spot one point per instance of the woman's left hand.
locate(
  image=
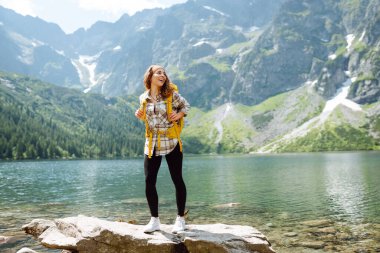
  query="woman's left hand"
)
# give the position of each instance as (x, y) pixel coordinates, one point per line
(176, 116)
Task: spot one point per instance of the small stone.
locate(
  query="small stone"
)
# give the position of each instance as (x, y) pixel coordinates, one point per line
(344, 237)
(3, 239)
(290, 234)
(332, 248)
(26, 250)
(317, 223)
(37, 227)
(270, 225)
(227, 205)
(132, 222)
(327, 238)
(361, 251)
(327, 230)
(284, 216)
(312, 245)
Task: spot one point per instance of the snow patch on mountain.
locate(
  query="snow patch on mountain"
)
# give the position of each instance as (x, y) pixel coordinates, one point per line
(86, 68)
(27, 47)
(201, 42)
(254, 28)
(218, 123)
(89, 62)
(215, 10)
(238, 28)
(61, 52)
(7, 83)
(349, 38)
(339, 99)
(362, 36)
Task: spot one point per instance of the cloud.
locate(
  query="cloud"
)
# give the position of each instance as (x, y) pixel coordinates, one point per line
(24, 7)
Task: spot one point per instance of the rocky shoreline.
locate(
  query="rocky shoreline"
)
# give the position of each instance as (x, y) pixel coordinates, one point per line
(322, 235)
(325, 235)
(84, 234)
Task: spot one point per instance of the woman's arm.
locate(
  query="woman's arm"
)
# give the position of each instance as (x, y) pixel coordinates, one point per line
(181, 107)
(180, 104)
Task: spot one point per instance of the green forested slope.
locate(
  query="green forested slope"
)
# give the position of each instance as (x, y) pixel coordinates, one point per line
(39, 120)
(267, 127)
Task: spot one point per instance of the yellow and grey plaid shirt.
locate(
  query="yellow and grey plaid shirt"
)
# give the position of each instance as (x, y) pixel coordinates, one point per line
(158, 121)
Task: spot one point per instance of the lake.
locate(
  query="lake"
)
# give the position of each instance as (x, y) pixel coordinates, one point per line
(285, 196)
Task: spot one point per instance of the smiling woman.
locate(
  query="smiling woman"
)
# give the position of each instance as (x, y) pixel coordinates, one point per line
(161, 110)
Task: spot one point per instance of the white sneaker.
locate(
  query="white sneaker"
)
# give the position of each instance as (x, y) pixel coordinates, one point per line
(153, 225)
(179, 225)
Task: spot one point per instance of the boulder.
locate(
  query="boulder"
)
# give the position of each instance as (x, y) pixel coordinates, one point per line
(84, 234)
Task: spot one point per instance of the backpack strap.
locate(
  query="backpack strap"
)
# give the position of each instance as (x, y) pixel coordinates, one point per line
(177, 125)
(148, 134)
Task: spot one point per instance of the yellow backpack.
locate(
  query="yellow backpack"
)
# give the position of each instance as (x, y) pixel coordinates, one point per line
(172, 132)
(180, 123)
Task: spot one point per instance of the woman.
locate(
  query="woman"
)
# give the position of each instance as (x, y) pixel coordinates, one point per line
(160, 126)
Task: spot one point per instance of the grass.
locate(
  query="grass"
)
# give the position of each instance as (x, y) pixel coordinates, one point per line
(199, 134)
(175, 72)
(239, 127)
(221, 66)
(349, 5)
(331, 138)
(271, 103)
(370, 106)
(359, 46)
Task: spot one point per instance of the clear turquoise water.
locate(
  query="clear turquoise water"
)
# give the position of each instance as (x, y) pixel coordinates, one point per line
(281, 189)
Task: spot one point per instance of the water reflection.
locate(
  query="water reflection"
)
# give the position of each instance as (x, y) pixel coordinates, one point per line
(223, 182)
(345, 185)
(278, 189)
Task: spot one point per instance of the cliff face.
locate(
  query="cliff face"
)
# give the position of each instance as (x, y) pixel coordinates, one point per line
(243, 52)
(364, 60)
(328, 41)
(254, 78)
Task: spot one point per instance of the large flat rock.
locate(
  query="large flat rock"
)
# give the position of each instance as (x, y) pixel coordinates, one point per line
(90, 234)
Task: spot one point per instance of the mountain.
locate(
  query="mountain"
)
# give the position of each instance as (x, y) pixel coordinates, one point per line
(261, 76)
(41, 120)
(310, 82)
(308, 40)
(34, 47)
(299, 120)
(110, 58)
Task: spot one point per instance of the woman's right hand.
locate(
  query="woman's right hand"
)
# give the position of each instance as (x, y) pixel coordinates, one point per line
(139, 114)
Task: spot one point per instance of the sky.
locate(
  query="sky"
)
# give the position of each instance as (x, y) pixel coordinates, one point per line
(73, 14)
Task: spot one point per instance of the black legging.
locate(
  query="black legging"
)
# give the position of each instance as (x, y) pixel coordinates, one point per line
(151, 167)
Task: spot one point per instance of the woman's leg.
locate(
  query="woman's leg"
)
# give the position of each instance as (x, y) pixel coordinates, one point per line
(174, 160)
(151, 167)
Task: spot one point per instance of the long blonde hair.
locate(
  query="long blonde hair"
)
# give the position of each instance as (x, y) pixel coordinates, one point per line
(166, 90)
